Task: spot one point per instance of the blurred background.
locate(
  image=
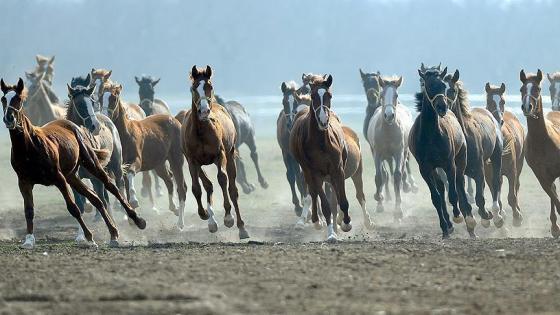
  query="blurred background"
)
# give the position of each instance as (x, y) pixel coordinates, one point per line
(255, 45)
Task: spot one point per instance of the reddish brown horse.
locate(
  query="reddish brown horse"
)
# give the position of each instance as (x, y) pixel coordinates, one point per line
(542, 142)
(513, 155)
(147, 144)
(51, 155)
(320, 146)
(208, 137)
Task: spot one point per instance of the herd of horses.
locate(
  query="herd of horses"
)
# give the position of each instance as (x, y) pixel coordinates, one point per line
(97, 135)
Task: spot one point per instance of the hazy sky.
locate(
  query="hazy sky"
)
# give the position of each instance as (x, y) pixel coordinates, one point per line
(255, 45)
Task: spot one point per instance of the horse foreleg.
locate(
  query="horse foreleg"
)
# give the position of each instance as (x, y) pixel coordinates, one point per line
(550, 189)
(485, 216)
(223, 180)
(428, 176)
(176, 161)
(163, 172)
(326, 208)
(359, 185)
(62, 186)
(513, 198)
(26, 191)
(380, 181)
(440, 186)
(234, 195)
(496, 186)
(337, 180)
(450, 176)
(242, 176)
(387, 178)
(470, 191)
(291, 178)
(333, 205)
(410, 178)
(397, 184)
(95, 200)
(157, 184)
(146, 184)
(255, 157)
(194, 170)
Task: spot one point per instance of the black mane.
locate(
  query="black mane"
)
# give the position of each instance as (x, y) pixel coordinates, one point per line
(419, 100)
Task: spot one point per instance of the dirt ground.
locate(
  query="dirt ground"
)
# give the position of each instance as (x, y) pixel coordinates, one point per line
(396, 269)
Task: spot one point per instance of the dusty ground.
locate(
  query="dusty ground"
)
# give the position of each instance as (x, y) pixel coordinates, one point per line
(397, 268)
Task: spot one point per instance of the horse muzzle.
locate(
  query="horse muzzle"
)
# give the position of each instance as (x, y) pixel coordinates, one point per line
(204, 114)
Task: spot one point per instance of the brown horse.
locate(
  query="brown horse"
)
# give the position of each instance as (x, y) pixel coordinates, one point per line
(147, 144)
(319, 144)
(513, 154)
(542, 146)
(209, 137)
(51, 155)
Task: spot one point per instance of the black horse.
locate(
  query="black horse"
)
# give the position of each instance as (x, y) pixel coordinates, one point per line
(437, 141)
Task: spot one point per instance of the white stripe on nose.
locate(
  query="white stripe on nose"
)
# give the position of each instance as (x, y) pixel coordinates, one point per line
(9, 96)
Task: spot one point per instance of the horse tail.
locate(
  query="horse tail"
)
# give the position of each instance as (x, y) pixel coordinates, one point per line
(125, 168)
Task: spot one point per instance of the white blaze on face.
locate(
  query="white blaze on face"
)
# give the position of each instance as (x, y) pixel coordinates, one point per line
(323, 118)
(527, 99)
(89, 108)
(389, 111)
(496, 98)
(9, 96)
(389, 95)
(202, 97)
(291, 100)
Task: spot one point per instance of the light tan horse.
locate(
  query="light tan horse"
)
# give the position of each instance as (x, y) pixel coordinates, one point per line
(513, 155)
(209, 137)
(542, 147)
(38, 106)
(554, 88)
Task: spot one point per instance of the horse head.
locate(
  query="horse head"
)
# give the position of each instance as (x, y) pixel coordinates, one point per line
(434, 89)
(12, 103)
(321, 99)
(495, 101)
(146, 92)
(389, 97)
(202, 91)
(531, 93)
(81, 104)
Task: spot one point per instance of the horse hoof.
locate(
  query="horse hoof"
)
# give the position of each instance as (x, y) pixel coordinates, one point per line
(406, 188)
(346, 227)
(88, 244)
(180, 224)
(88, 207)
(332, 239)
(140, 223)
(134, 204)
(470, 221)
(498, 221)
(379, 208)
(473, 235)
(212, 225)
(450, 230)
(264, 184)
(298, 210)
(80, 237)
(243, 234)
(517, 220)
(555, 230)
(318, 225)
(300, 224)
(113, 243)
(369, 225)
(29, 242)
(458, 219)
(485, 223)
(144, 192)
(228, 220)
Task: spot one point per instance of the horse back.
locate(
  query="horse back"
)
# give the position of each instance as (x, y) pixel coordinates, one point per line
(241, 121)
(134, 111)
(160, 107)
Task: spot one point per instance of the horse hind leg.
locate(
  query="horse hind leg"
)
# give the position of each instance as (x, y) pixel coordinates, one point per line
(163, 172)
(496, 186)
(485, 216)
(176, 162)
(437, 199)
(242, 176)
(195, 170)
(410, 180)
(157, 184)
(397, 182)
(255, 157)
(440, 186)
(234, 195)
(513, 200)
(146, 184)
(359, 185)
(326, 208)
(470, 191)
(291, 178)
(381, 179)
(26, 191)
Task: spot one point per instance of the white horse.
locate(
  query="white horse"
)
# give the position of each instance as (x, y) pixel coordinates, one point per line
(387, 135)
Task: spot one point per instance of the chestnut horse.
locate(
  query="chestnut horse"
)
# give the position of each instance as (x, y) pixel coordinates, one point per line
(147, 144)
(51, 155)
(542, 146)
(513, 155)
(326, 153)
(484, 145)
(209, 137)
(437, 141)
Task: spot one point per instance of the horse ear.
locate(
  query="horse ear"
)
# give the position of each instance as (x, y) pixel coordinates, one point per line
(549, 77)
(70, 90)
(439, 66)
(455, 77)
(422, 67)
(328, 83)
(20, 86)
(362, 74)
(208, 72)
(283, 87)
(378, 73)
(118, 89)
(400, 81)
(137, 80)
(52, 60)
(539, 75)
(502, 88)
(194, 72)
(487, 87)
(106, 76)
(88, 79)
(421, 73)
(28, 75)
(155, 82)
(303, 77)
(3, 86)
(522, 76)
(444, 73)
(381, 82)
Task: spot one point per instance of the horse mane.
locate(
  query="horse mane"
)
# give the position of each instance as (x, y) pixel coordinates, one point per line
(463, 99)
(79, 81)
(291, 85)
(419, 101)
(219, 100)
(147, 78)
(555, 75)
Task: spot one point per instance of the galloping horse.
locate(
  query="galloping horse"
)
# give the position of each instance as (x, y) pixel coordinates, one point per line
(51, 155)
(388, 138)
(39, 105)
(437, 141)
(542, 146)
(327, 152)
(209, 137)
(292, 103)
(372, 88)
(484, 144)
(554, 80)
(245, 134)
(147, 144)
(103, 136)
(513, 154)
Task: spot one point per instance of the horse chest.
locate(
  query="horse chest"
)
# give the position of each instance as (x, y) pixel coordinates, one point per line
(34, 171)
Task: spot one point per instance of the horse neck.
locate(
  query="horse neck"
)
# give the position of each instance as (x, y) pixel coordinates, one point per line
(313, 128)
(536, 127)
(22, 138)
(45, 107)
(120, 120)
(429, 119)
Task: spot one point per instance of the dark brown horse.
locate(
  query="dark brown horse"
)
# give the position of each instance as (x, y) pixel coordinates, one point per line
(320, 146)
(209, 137)
(51, 155)
(484, 145)
(147, 144)
(437, 141)
(513, 155)
(542, 146)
